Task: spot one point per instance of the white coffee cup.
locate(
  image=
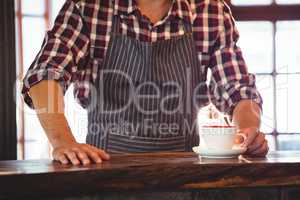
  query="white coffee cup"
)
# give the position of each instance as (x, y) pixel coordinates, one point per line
(219, 137)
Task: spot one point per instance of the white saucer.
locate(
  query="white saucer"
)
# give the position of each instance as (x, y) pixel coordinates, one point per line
(215, 153)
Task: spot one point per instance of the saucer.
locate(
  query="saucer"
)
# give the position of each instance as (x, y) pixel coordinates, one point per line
(219, 153)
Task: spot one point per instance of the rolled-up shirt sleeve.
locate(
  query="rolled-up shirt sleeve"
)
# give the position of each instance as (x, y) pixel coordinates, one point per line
(64, 49)
(230, 82)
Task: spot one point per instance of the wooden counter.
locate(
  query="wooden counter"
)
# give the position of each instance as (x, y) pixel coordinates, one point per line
(131, 176)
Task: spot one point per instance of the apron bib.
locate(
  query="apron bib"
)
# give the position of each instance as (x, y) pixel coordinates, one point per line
(145, 95)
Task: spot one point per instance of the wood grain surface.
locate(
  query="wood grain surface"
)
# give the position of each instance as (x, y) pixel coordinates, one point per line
(150, 172)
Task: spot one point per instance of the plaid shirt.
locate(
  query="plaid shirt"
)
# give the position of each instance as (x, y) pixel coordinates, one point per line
(74, 49)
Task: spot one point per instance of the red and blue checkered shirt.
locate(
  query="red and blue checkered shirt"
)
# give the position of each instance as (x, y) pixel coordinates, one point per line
(75, 47)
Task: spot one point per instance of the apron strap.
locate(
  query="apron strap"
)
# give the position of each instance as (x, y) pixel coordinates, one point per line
(186, 27)
(116, 24)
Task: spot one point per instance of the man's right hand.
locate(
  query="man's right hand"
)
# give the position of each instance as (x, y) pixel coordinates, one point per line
(76, 154)
(48, 100)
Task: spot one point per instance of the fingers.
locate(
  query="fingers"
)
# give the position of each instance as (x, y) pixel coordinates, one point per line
(61, 158)
(259, 147)
(97, 155)
(71, 155)
(257, 143)
(263, 150)
(239, 139)
(83, 157)
(101, 153)
(80, 154)
(250, 134)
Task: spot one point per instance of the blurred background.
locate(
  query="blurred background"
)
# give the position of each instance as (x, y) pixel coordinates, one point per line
(270, 40)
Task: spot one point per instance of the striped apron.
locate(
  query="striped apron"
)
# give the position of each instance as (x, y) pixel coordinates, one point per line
(144, 94)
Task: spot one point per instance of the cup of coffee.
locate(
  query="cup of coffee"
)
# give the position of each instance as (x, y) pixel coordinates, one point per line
(219, 137)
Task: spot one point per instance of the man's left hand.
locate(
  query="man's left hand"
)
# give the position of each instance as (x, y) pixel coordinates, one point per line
(255, 142)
